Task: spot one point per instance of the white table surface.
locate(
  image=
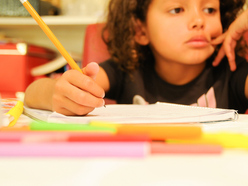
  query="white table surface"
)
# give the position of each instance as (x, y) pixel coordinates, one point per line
(227, 169)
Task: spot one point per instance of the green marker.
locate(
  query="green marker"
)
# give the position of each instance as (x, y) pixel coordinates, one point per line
(45, 126)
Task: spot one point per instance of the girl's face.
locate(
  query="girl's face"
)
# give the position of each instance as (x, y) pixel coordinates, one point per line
(181, 30)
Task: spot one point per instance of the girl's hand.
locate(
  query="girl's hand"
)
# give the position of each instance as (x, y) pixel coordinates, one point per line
(229, 40)
(76, 93)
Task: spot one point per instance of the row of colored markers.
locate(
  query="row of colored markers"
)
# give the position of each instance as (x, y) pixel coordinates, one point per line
(102, 139)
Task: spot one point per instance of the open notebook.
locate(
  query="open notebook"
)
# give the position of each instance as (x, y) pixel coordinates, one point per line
(153, 113)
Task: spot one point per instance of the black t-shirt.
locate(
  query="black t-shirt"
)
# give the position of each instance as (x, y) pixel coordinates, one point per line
(214, 87)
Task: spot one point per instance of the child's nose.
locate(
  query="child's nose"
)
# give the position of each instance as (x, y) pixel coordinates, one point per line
(196, 21)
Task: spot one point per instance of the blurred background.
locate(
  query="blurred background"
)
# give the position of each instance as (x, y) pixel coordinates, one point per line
(24, 46)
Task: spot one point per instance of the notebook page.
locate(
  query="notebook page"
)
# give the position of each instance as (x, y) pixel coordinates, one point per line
(153, 113)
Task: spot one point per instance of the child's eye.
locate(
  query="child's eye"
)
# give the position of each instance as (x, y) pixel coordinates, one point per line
(176, 10)
(209, 10)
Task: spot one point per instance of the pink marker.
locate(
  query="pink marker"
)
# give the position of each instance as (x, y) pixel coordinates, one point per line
(77, 149)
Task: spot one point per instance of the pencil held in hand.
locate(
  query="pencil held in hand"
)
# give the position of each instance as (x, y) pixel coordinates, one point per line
(50, 35)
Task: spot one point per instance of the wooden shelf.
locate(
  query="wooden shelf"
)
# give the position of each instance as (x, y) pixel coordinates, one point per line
(28, 30)
(49, 20)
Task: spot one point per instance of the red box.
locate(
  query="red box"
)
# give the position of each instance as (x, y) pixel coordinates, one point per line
(16, 62)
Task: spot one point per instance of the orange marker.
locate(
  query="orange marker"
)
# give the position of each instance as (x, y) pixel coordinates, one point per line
(162, 132)
(50, 35)
(164, 148)
(15, 129)
(155, 131)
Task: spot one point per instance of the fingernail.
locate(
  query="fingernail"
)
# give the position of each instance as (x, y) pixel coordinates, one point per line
(103, 95)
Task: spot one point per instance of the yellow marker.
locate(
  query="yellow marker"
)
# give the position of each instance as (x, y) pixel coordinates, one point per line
(15, 113)
(226, 140)
(50, 35)
(97, 123)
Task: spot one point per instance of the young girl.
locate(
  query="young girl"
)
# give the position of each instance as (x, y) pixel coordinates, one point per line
(161, 50)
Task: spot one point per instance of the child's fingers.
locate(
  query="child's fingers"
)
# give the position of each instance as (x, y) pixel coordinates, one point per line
(230, 53)
(230, 56)
(87, 94)
(84, 83)
(83, 98)
(91, 70)
(71, 108)
(232, 63)
(219, 56)
(228, 49)
(71, 100)
(219, 39)
(77, 93)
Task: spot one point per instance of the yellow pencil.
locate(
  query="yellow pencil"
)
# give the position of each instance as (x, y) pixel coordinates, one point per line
(50, 35)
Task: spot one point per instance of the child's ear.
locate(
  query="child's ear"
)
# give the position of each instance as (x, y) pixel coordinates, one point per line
(141, 36)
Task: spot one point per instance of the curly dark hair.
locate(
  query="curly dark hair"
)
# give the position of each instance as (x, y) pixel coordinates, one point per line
(120, 29)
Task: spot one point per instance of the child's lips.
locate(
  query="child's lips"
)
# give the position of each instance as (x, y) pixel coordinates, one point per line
(198, 42)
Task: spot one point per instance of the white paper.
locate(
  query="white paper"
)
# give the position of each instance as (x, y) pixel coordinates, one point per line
(153, 113)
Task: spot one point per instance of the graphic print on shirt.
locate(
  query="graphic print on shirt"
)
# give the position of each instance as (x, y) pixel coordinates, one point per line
(207, 100)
